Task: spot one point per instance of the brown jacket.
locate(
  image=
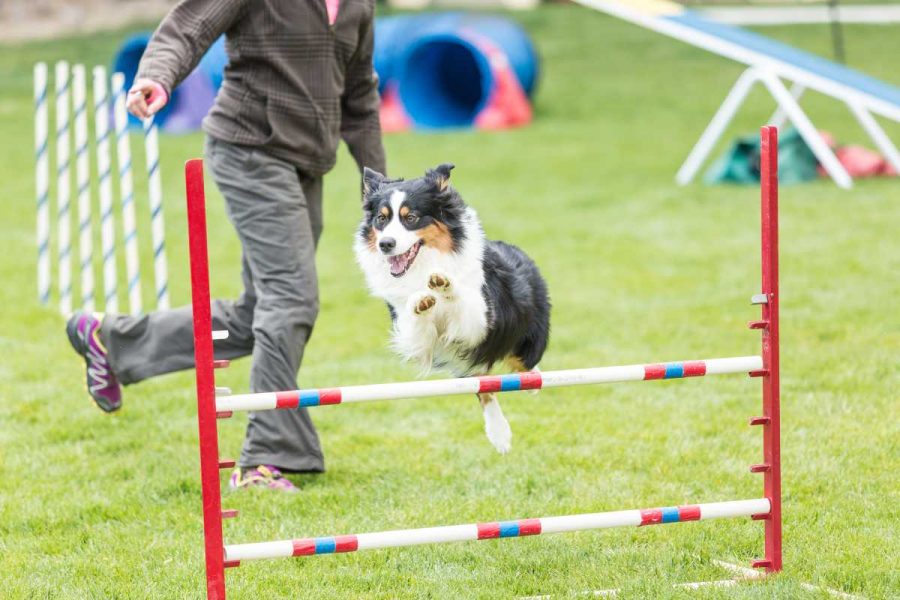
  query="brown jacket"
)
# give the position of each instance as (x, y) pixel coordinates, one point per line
(294, 86)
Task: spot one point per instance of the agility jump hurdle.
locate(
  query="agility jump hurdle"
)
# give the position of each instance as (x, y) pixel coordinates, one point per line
(70, 91)
(214, 403)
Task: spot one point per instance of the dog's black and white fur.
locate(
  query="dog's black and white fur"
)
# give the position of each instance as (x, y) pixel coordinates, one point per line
(457, 301)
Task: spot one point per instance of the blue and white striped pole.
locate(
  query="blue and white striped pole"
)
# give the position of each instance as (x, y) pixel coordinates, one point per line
(157, 221)
(42, 181)
(126, 194)
(83, 184)
(107, 221)
(63, 183)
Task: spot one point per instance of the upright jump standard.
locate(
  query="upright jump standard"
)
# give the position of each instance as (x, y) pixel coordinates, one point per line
(209, 408)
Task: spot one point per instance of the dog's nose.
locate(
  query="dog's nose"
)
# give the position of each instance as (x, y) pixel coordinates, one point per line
(387, 244)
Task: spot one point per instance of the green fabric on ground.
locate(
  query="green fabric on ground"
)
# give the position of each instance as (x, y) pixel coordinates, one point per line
(740, 163)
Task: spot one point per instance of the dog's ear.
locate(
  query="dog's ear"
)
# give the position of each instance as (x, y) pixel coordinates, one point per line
(372, 180)
(440, 176)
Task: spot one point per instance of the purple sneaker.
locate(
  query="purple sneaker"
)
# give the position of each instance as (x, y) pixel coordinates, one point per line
(263, 475)
(83, 330)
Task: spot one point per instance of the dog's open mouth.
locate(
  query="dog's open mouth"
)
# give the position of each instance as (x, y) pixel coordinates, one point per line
(401, 263)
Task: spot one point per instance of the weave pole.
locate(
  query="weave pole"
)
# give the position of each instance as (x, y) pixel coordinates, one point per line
(126, 194)
(83, 186)
(104, 174)
(771, 417)
(42, 180)
(494, 530)
(157, 220)
(63, 187)
(532, 380)
(206, 399)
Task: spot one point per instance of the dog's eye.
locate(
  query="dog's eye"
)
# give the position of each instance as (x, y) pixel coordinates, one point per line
(411, 218)
(380, 219)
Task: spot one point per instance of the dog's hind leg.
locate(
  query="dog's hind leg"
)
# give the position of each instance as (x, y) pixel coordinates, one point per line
(495, 424)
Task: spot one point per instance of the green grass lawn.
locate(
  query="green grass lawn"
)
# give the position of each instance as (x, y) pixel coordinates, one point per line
(99, 506)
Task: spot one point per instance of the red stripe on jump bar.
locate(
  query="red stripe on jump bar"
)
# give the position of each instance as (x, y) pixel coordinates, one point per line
(656, 371)
(529, 527)
(304, 547)
(330, 396)
(487, 531)
(287, 399)
(652, 516)
(531, 380)
(690, 512)
(489, 384)
(345, 543)
(694, 368)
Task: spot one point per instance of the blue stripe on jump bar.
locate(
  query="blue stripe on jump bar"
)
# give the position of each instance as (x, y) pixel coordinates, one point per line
(509, 528)
(309, 398)
(674, 370)
(510, 383)
(325, 545)
(669, 514)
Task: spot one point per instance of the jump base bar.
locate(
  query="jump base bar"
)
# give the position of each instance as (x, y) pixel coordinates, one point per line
(483, 531)
(531, 380)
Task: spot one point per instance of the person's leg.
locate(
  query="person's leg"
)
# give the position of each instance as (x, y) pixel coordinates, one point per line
(139, 347)
(161, 342)
(270, 210)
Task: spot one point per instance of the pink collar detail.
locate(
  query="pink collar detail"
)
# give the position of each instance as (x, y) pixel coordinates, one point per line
(332, 6)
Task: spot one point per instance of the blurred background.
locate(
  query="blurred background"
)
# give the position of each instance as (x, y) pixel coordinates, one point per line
(568, 124)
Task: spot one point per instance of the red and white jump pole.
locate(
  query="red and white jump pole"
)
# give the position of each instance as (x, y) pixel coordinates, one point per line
(531, 380)
(496, 529)
(209, 408)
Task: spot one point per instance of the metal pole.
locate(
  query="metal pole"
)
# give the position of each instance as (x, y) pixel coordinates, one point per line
(771, 419)
(513, 382)
(206, 400)
(497, 529)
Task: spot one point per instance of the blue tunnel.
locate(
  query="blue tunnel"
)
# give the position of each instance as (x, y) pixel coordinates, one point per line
(442, 76)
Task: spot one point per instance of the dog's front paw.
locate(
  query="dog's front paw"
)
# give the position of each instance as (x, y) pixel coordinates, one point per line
(422, 303)
(440, 283)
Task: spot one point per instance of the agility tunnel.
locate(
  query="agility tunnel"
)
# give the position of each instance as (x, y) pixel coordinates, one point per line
(441, 70)
(215, 403)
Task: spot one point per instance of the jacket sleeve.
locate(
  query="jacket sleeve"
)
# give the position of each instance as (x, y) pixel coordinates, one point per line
(360, 120)
(184, 36)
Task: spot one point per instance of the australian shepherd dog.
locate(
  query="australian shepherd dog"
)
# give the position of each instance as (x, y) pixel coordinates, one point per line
(457, 301)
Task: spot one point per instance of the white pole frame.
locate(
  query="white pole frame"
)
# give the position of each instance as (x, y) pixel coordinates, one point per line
(63, 187)
(42, 179)
(787, 103)
(126, 195)
(104, 178)
(879, 137)
(83, 187)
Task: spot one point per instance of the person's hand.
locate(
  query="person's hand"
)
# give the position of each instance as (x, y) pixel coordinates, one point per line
(145, 98)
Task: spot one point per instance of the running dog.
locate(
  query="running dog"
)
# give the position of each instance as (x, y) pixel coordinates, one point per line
(457, 301)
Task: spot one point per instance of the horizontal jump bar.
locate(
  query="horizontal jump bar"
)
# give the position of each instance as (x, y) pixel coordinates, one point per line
(531, 380)
(501, 529)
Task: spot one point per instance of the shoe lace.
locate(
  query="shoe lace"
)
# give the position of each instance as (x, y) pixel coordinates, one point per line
(97, 369)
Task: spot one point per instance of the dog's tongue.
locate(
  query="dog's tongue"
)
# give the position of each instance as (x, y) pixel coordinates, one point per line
(398, 263)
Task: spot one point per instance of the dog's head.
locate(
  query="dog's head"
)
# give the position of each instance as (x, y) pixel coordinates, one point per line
(402, 217)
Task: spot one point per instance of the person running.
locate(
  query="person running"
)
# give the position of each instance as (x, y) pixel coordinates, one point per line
(299, 79)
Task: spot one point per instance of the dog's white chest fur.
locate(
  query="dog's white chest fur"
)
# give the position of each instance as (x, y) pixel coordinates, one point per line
(439, 306)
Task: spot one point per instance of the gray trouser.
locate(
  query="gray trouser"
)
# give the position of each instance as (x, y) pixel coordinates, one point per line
(277, 213)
